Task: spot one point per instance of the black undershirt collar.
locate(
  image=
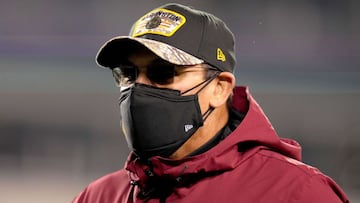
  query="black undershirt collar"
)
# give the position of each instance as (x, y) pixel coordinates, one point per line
(235, 118)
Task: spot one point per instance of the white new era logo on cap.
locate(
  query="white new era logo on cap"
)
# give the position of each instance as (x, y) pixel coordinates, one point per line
(188, 127)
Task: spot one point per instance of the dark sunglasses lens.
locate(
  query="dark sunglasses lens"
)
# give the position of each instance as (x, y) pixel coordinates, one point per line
(161, 73)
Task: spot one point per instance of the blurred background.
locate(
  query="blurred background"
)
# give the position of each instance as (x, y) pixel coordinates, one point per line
(59, 117)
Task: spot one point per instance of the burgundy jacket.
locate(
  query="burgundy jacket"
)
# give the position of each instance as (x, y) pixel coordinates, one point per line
(251, 165)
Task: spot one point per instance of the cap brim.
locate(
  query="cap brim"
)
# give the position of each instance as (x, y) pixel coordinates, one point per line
(117, 50)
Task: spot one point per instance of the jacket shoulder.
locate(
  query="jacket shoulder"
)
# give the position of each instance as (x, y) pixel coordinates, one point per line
(304, 183)
(109, 188)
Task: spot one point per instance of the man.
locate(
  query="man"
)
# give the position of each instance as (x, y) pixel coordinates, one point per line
(193, 135)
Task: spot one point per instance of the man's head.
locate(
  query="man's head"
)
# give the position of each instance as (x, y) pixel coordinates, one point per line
(175, 48)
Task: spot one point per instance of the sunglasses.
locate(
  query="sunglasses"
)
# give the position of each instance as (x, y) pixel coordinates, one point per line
(159, 72)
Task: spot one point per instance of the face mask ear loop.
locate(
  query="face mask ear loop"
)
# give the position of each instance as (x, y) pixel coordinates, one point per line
(207, 113)
(207, 81)
(124, 94)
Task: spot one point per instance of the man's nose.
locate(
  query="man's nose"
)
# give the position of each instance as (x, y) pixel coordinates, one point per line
(142, 78)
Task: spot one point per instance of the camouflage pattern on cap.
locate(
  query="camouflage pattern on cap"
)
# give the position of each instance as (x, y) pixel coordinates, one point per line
(169, 53)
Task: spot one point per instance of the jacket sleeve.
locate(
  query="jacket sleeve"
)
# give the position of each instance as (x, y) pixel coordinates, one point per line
(320, 188)
(80, 198)
(111, 188)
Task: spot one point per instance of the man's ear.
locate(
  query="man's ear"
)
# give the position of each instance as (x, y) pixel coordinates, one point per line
(225, 84)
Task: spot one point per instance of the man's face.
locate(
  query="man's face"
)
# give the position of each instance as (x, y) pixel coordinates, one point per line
(185, 78)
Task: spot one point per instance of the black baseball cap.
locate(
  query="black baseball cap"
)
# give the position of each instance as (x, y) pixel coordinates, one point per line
(178, 34)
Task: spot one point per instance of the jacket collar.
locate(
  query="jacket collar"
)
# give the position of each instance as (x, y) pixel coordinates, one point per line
(254, 129)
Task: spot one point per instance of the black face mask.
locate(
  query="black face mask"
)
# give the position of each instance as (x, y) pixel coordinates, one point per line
(157, 121)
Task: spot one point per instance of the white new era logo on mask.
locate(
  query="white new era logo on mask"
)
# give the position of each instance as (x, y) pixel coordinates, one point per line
(188, 127)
